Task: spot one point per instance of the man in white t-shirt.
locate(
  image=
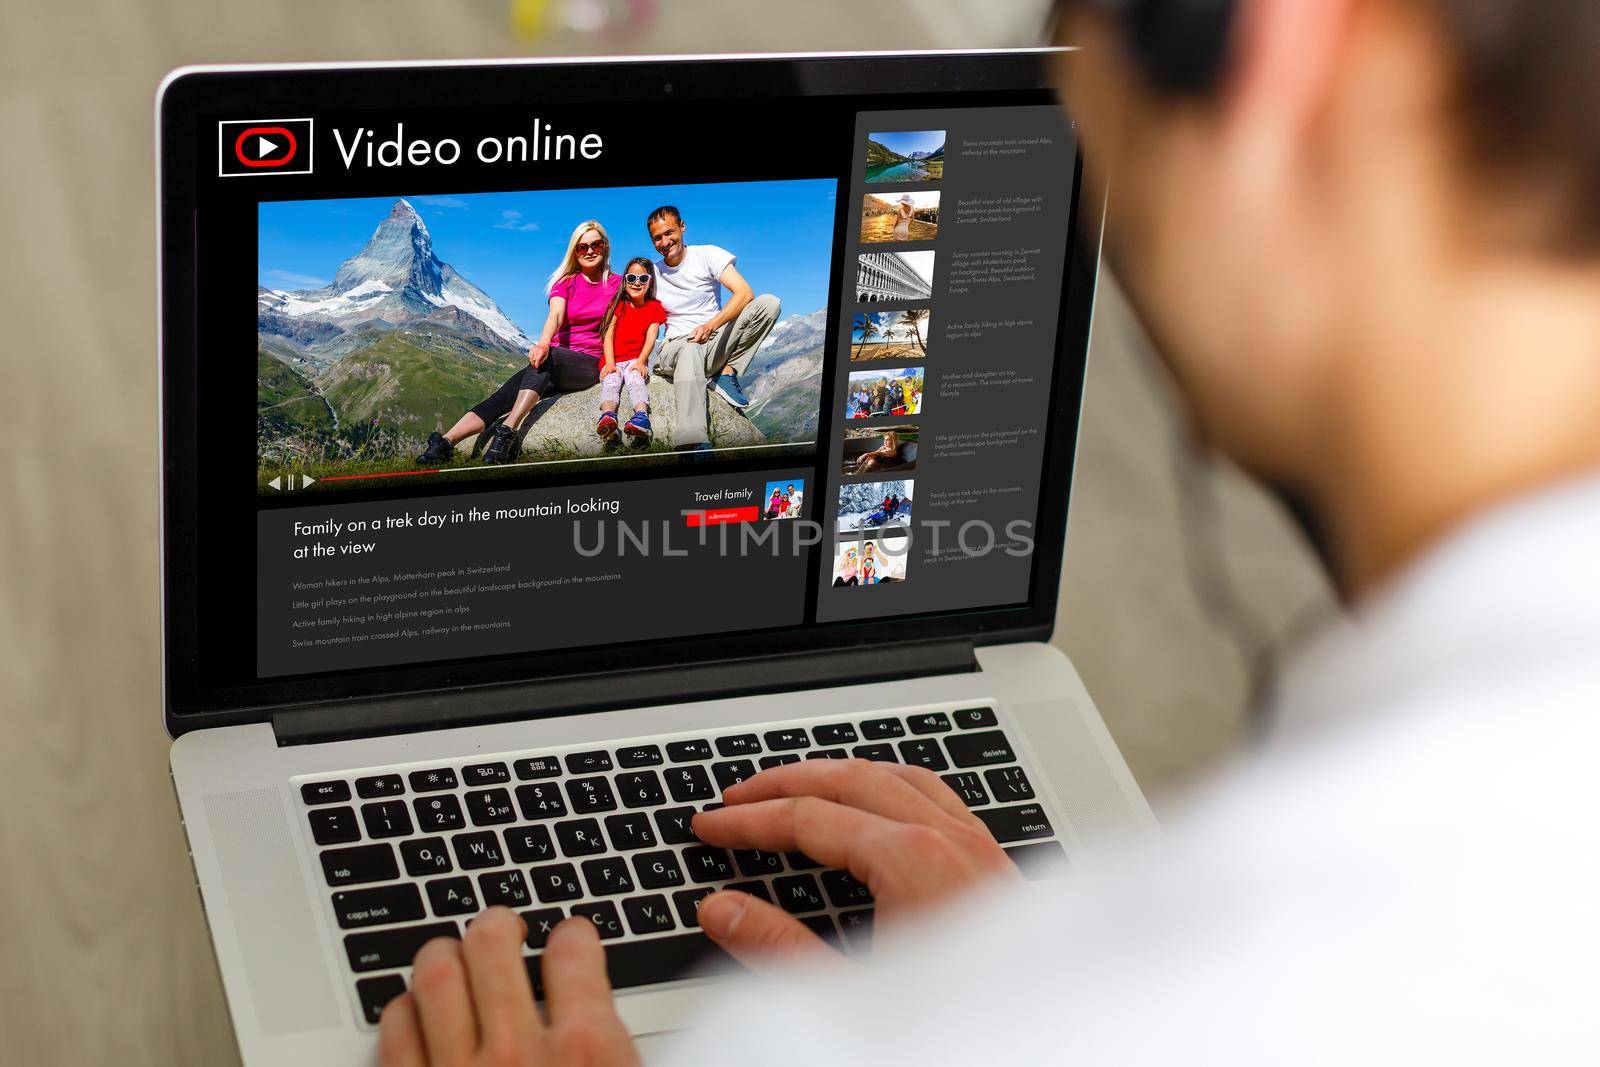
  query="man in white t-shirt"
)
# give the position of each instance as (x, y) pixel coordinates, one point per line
(709, 340)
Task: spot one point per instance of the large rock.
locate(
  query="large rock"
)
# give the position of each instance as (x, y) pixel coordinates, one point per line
(563, 426)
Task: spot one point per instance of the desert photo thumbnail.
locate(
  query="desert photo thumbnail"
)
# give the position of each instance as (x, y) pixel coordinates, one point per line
(899, 217)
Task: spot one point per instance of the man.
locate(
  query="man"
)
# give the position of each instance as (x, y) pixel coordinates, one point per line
(1370, 252)
(708, 340)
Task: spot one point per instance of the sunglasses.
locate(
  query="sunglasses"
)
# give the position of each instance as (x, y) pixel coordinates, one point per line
(586, 247)
(636, 279)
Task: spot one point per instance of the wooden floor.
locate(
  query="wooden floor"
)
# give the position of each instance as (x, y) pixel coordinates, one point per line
(103, 950)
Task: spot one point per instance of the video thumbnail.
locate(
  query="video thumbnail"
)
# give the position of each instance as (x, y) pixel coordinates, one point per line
(884, 392)
(874, 505)
(461, 336)
(784, 499)
(873, 561)
(883, 276)
(916, 156)
(902, 217)
(889, 335)
(875, 450)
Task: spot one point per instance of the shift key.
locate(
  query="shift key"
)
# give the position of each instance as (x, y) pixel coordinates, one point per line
(1024, 822)
(383, 949)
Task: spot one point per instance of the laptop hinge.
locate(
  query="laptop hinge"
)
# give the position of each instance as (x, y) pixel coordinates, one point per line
(468, 706)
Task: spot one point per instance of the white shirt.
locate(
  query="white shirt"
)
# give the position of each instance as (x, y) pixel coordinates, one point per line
(1409, 872)
(692, 291)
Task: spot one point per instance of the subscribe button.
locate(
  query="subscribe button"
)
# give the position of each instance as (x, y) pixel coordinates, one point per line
(721, 516)
(273, 146)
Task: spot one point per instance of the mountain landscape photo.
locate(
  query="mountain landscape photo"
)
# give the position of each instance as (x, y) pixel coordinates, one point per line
(353, 375)
(905, 157)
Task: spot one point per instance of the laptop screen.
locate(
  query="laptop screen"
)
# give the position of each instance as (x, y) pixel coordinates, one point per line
(551, 381)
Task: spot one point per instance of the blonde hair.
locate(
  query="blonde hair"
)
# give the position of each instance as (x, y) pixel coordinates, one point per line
(569, 262)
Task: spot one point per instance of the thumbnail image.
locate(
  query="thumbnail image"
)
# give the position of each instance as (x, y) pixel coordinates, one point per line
(880, 450)
(870, 562)
(899, 217)
(884, 276)
(783, 500)
(874, 505)
(905, 157)
(422, 335)
(884, 392)
(889, 335)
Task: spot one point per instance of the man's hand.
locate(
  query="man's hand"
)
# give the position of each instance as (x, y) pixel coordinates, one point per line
(471, 1003)
(538, 353)
(899, 829)
(702, 333)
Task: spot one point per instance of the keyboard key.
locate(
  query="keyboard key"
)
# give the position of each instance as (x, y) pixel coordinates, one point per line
(655, 959)
(631, 831)
(687, 751)
(380, 950)
(452, 896)
(1021, 823)
(799, 861)
(378, 905)
(476, 851)
(936, 722)
(607, 877)
(917, 753)
(425, 856)
(675, 826)
(787, 740)
(333, 826)
(642, 789)
(540, 924)
(658, 870)
(648, 915)
(823, 927)
(758, 890)
(640, 756)
(689, 783)
(588, 762)
(1040, 860)
(707, 864)
(798, 893)
(604, 915)
(504, 888)
(973, 718)
(687, 901)
(484, 774)
(968, 786)
(590, 795)
(386, 818)
(490, 807)
(844, 891)
(827, 753)
(530, 844)
(768, 762)
(439, 813)
(541, 801)
(753, 863)
(857, 928)
(375, 994)
(879, 729)
(883, 753)
(325, 792)
(838, 734)
(380, 785)
(580, 837)
(1009, 784)
(980, 750)
(431, 781)
(537, 767)
(555, 881)
(364, 863)
(738, 745)
(733, 772)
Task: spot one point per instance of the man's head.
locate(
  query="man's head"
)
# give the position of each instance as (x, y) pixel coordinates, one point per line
(666, 233)
(1320, 172)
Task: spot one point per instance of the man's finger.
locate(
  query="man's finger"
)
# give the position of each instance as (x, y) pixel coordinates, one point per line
(400, 1035)
(830, 833)
(444, 1006)
(871, 787)
(934, 788)
(757, 933)
(574, 972)
(492, 949)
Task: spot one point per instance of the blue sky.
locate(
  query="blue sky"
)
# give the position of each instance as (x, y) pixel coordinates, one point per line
(508, 243)
(907, 143)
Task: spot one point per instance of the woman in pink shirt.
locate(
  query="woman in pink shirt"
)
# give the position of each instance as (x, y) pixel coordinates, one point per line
(565, 359)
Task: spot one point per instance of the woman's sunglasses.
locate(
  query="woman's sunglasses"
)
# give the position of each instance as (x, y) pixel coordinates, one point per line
(636, 279)
(586, 247)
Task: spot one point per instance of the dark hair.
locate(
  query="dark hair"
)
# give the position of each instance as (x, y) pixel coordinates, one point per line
(622, 291)
(663, 212)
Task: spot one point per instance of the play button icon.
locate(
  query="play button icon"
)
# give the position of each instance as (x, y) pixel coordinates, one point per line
(276, 147)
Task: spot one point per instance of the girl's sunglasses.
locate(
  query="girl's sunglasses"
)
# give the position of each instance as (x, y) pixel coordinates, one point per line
(636, 279)
(586, 247)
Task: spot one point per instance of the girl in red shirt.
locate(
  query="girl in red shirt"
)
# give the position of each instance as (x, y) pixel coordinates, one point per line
(629, 329)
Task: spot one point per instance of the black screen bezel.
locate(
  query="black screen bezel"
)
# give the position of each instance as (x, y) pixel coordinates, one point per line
(941, 77)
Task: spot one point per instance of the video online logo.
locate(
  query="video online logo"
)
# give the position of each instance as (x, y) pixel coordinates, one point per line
(274, 146)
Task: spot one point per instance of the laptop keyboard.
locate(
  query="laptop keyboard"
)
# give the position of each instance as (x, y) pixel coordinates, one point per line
(409, 853)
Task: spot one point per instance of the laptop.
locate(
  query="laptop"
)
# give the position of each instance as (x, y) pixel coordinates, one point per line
(623, 428)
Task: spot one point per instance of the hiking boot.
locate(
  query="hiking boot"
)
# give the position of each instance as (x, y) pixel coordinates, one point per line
(439, 450)
(728, 387)
(502, 445)
(607, 426)
(638, 426)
